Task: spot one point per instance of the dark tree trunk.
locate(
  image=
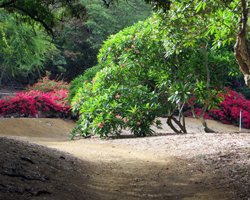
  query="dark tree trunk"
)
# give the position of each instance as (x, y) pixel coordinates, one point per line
(241, 46)
(205, 127)
(179, 122)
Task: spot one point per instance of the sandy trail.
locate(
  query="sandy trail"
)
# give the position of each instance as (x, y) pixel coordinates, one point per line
(192, 166)
(54, 133)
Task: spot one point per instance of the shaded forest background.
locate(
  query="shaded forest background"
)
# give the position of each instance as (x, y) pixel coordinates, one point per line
(28, 52)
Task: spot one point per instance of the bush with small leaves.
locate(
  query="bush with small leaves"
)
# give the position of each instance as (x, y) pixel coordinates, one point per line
(122, 95)
(106, 107)
(79, 81)
(47, 85)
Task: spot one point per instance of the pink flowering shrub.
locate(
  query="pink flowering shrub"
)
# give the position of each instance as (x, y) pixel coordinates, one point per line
(228, 111)
(34, 102)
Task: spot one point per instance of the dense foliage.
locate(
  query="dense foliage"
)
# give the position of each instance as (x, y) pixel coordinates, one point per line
(121, 95)
(134, 62)
(80, 40)
(24, 48)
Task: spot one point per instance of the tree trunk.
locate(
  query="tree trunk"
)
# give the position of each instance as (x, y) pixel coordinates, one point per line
(205, 127)
(181, 125)
(201, 118)
(241, 47)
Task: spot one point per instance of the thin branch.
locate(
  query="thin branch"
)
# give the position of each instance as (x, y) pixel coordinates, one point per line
(47, 28)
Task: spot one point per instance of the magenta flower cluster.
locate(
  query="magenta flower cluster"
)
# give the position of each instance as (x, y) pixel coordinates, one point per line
(35, 103)
(228, 111)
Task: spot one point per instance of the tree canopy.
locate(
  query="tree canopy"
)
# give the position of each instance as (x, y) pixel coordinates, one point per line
(135, 79)
(227, 21)
(23, 47)
(78, 27)
(47, 12)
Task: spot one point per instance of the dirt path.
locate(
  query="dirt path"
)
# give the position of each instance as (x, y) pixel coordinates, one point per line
(193, 166)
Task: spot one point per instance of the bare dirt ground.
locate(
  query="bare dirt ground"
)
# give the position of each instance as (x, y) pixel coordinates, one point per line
(168, 166)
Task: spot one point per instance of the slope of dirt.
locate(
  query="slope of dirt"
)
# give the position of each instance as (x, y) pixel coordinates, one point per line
(34, 172)
(191, 166)
(45, 129)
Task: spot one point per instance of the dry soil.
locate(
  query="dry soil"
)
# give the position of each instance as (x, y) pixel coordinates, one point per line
(38, 161)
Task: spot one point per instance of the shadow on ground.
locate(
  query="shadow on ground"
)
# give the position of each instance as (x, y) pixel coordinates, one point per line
(30, 171)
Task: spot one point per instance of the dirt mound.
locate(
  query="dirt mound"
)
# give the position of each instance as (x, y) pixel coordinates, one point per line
(46, 129)
(31, 171)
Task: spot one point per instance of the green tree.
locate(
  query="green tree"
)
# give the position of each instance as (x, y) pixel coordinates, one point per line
(197, 76)
(23, 47)
(226, 21)
(134, 58)
(121, 94)
(26, 30)
(47, 12)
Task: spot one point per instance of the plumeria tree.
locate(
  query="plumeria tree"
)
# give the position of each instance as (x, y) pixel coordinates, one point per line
(225, 21)
(122, 95)
(138, 77)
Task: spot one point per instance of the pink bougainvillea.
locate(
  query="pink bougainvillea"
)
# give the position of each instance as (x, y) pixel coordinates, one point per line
(31, 103)
(228, 111)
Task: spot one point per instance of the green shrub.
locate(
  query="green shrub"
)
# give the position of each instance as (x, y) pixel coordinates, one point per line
(142, 67)
(79, 81)
(122, 95)
(106, 107)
